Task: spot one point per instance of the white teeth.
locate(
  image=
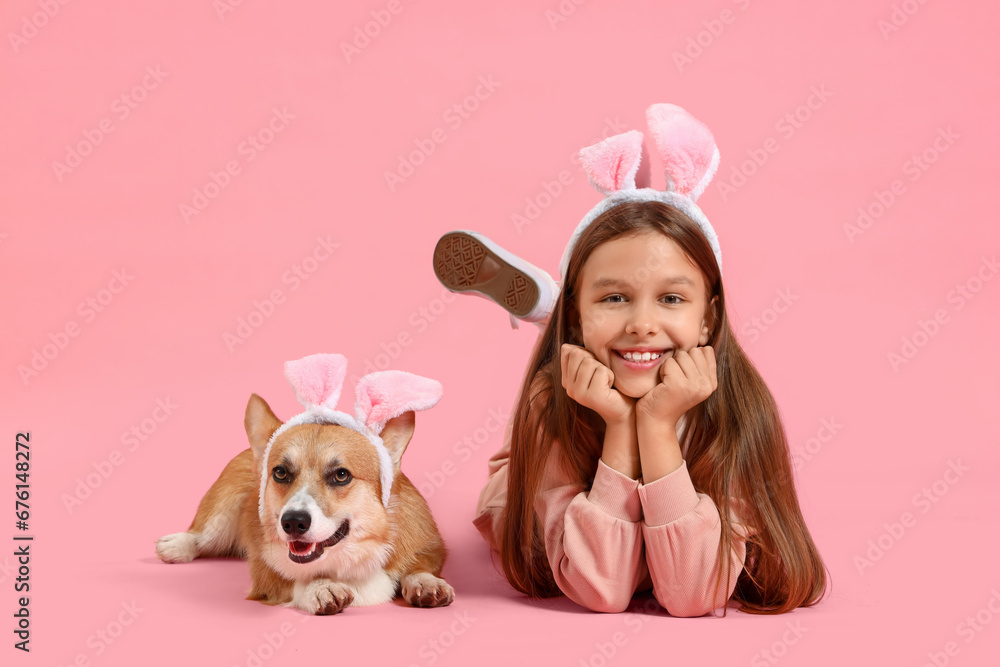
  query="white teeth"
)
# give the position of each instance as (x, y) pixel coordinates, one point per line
(641, 356)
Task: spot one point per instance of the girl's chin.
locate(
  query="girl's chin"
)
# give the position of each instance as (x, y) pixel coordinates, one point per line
(635, 384)
(635, 388)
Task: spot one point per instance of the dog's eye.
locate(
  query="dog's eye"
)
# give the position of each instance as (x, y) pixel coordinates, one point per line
(340, 476)
(280, 474)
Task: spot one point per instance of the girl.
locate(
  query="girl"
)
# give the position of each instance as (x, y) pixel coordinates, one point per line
(644, 451)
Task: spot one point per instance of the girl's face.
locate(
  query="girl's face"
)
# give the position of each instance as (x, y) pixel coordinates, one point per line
(641, 298)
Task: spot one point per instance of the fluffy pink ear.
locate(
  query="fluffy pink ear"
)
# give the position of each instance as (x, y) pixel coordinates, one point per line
(387, 394)
(611, 165)
(686, 146)
(317, 379)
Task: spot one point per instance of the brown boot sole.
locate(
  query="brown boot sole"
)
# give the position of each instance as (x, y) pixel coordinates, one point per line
(463, 264)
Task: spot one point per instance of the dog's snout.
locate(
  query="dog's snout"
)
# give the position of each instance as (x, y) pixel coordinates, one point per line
(295, 523)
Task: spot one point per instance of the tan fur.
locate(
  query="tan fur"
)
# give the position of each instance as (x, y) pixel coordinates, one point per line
(394, 549)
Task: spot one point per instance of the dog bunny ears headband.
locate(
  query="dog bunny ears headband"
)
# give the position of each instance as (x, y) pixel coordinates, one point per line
(690, 158)
(379, 397)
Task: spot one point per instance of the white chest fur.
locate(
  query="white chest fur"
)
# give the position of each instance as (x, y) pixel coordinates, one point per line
(377, 589)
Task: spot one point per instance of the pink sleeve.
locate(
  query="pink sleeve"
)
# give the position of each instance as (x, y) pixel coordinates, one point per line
(681, 529)
(493, 497)
(593, 539)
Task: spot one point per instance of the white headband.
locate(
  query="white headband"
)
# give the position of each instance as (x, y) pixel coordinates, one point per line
(379, 397)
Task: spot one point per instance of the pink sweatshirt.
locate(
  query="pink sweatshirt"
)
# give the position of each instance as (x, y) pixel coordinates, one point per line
(623, 536)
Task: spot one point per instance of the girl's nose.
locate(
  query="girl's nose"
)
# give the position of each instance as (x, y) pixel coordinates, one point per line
(640, 321)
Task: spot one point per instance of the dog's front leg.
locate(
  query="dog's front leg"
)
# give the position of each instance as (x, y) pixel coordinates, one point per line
(423, 589)
(322, 596)
(419, 584)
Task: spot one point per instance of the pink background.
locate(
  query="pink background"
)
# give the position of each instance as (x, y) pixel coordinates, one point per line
(889, 93)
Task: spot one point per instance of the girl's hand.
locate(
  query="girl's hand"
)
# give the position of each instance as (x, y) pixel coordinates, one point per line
(591, 384)
(686, 379)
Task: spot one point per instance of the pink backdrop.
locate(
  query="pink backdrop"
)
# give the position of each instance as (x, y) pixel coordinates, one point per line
(172, 170)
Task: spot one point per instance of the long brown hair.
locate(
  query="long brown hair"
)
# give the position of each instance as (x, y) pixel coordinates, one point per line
(736, 445)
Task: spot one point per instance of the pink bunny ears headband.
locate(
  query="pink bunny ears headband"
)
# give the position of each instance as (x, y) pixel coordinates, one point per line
(379, 397)
(689, 155)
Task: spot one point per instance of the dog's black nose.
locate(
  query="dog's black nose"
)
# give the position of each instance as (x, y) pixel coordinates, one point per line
(295, 523)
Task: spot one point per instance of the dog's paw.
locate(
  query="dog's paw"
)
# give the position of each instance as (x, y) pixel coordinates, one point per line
(177, 548)
(323, 597)
(423, 589)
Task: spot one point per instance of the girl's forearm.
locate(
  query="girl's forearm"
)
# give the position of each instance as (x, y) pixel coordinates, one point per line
(621, 447)
(659, 450)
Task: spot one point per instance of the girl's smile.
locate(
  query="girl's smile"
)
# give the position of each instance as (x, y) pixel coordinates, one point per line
(638, 361)
(642, 359)
(641, 298)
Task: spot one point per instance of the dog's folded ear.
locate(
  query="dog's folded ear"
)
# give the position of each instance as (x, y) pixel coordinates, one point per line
(396, 436)
(260, 424)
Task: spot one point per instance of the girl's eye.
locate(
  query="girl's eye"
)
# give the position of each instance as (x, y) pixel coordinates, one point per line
(280, 474)
(341, 476)
(673, 299)
(614, 298)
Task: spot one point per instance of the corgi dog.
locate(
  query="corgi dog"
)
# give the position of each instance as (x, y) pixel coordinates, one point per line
(318, 505)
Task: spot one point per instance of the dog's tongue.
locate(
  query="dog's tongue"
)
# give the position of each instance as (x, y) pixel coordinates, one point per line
(301, 548)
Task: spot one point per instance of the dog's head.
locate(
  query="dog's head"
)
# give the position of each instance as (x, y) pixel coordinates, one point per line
(326, 477)
(324, 482)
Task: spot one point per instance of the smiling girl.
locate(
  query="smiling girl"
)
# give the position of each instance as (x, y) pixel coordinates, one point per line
(644, 451)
